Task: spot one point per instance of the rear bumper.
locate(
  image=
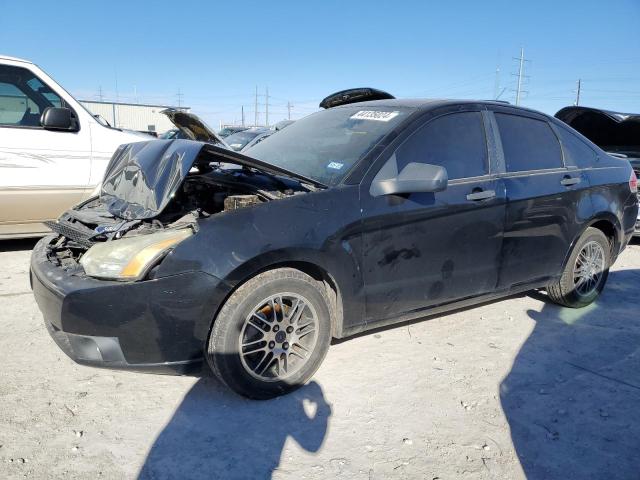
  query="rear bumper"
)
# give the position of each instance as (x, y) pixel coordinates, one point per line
(158, 325)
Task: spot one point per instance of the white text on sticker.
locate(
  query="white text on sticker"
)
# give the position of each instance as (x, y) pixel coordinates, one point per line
(335, 165)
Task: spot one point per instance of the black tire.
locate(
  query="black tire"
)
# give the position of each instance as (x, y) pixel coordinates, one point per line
(223, 350)
(564, 291)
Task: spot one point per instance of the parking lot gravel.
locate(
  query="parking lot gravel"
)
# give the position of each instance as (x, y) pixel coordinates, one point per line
(510, 389)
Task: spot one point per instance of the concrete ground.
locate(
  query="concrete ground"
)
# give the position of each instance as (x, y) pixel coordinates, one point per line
(511, 389)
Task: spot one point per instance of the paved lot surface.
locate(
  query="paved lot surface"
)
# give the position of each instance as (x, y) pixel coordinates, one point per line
(512, 389)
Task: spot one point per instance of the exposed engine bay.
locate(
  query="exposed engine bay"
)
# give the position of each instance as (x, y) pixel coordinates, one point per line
(202, 194)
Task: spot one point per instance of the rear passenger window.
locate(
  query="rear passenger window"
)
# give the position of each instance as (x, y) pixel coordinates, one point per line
(528, 144)
(576, 151)
(455, 141)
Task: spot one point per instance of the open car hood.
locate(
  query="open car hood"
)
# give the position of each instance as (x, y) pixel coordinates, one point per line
(611, 131)
(193, 127)
(143, 177)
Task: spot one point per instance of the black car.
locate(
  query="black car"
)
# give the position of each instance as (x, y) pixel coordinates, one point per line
(355, 217)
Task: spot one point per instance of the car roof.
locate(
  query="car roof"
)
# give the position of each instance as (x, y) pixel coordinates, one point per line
(15, 59)
(430, 103)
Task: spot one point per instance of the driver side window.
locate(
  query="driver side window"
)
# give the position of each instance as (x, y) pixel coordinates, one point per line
(454, 141)
(23, 98)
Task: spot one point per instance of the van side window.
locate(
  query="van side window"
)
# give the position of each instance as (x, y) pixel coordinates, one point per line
(576, 151)
(528, 144)
(455, 141)
(23, 97)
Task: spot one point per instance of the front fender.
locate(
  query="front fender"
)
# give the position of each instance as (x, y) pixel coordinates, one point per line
(319, 229)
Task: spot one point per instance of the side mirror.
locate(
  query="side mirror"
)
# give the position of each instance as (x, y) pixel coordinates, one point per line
(54, 118)
(414, 178)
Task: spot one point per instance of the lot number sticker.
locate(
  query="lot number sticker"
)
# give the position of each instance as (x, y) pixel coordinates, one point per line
(374, 115)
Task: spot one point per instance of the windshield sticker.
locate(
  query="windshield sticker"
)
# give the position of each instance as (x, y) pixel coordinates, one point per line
(335, 165)
(374, 115)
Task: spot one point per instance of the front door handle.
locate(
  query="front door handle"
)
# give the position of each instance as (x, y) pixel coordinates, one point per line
(481, 195)
(567, 181)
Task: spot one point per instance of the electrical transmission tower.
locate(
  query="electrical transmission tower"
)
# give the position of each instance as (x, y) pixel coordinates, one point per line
(179, 95)
(289, 107)
(521, 77)
(256, 104)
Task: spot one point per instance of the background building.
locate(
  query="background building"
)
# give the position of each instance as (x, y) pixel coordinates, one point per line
(132, 116)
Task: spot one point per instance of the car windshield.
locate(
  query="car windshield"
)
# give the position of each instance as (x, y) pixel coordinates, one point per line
(326, 145)
(239, 140)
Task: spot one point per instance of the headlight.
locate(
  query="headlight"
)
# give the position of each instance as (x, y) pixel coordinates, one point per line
(130, 258)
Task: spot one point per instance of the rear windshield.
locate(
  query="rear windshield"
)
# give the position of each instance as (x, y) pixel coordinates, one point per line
(238, 140)
(324, 146)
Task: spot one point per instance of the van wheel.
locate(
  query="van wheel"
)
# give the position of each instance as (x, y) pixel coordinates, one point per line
(586, 271)
(271, 335)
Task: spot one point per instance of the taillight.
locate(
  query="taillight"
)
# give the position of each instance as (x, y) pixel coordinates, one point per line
(633, 182)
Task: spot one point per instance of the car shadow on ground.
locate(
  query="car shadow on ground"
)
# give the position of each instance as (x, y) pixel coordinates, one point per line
(17, 245)
(217, 434)
(572, 395)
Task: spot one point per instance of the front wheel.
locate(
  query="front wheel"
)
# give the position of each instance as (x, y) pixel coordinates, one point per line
(271, 335)
(586, 271)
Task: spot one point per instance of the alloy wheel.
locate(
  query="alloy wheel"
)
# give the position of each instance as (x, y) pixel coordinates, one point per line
(588, 268)
(278, 337)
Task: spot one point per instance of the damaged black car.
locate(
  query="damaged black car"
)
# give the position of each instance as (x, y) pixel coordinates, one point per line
(356, 217)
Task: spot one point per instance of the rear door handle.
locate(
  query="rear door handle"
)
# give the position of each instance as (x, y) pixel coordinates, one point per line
(568, 181)
(481, 195)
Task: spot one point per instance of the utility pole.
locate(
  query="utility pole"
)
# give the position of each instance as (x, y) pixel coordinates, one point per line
(255, 109)
(100, 96)
(578, 93)
(243, 115)
(496, 87)
(289, 107)
(520, 76)
(266, 103)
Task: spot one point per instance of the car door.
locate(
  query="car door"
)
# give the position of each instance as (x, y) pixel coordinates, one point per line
(42, 172)
(426, 249)
(545, 198)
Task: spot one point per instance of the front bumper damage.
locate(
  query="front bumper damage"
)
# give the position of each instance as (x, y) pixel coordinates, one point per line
(158, 325)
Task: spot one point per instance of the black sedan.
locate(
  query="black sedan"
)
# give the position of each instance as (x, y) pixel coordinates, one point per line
(358, 216)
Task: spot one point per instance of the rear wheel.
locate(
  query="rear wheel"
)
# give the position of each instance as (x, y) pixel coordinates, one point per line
(271, 335)
(586, 271)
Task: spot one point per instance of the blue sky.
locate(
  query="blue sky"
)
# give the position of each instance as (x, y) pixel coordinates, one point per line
(215, 53)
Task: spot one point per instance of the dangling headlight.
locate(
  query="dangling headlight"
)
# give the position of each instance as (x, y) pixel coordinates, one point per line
(130, 258)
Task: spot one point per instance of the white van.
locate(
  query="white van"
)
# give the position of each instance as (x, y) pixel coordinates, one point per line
(53, 152)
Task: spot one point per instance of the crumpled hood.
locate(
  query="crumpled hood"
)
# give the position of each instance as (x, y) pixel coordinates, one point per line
(142, 177)
(611, 131)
